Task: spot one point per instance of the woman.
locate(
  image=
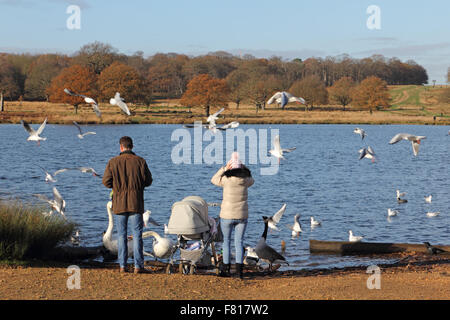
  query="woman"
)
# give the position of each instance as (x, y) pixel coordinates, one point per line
(234, 178)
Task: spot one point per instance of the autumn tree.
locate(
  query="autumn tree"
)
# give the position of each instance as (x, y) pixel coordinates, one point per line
(341, 91)
(236, 80)
(312, 89)
(9, 79)
(371, 93)
(97, 56)
(76, 78)
(258, 91)
(206, 91)
(126, 80)
(41, 73)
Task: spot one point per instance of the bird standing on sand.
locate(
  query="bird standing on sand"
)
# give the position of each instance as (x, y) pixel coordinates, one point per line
(34, 135)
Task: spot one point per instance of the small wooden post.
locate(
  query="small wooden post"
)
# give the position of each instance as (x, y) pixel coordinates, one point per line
(1, 102)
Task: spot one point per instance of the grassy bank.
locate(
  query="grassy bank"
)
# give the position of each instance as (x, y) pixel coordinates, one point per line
(25, 233)
(410, 105)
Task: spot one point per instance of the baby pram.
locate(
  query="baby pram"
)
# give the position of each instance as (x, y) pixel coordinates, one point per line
(195, 231)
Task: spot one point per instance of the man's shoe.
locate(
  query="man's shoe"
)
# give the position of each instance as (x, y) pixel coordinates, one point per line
(141, 270)
(225, 270)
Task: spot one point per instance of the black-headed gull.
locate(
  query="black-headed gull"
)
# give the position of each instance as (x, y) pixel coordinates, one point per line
(361, 132)
(297, 227)
(399, 195)
(433, 214)
(48, 176)
(251, 258)
(82, 169)
(264, 251)
(392, 213)
(428, 198)
(81, 134)
(57, 203)
(34, 135)
(353, 238)
(315, 223)
(120, 102)
(415, 140)
(147, 219)
(273, 220)
(88, 100)
(212, 123)
(283, 98)
(367, 153)
(277, 151)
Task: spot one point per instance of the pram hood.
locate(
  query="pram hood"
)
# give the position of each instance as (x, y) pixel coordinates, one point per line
(189, 216)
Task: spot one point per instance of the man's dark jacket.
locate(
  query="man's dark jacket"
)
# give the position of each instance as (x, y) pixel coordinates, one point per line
(128, 175)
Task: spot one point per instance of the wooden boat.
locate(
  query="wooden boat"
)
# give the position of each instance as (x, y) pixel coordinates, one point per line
(367, 248)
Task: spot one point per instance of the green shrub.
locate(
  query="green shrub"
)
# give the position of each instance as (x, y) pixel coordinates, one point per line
(26, 233)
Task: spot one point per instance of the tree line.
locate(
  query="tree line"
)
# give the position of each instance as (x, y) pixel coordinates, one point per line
(98, 70)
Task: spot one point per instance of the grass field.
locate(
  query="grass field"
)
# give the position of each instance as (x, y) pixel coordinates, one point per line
(410, 105)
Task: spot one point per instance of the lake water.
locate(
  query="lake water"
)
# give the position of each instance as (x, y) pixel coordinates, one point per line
(322, 178)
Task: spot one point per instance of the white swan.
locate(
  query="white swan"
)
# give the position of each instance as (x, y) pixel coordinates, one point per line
(283, 98)
(112, 244)
(162, 247)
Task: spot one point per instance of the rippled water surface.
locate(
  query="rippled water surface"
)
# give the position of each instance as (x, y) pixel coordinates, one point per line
(321, 178)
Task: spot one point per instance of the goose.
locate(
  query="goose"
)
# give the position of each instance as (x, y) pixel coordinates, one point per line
(428, 199)
(147, 219)
(315, 223)
(264, 251)
(415, 140)
(111, 244)
(367, 153)
(273, 220)
(120, 102)
(433, 214)
(57, 203)
(81, 134)
(34, 135)
(86, 99)
(277, 151)
(297, 227)
(353, 238)
(162, 247)
(283, 98)
(361, 132)
(392, 213)
(433, 250)
(399, 195)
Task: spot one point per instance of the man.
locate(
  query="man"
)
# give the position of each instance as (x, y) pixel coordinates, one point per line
(128, 175)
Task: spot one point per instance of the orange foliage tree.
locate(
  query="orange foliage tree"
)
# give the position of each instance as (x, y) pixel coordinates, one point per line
(371, 93)
(341, 91)
(76, 78)
(312, 89)
(206, 91)
(126, 80)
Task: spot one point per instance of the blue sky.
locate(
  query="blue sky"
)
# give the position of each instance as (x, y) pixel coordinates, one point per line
(418, 30)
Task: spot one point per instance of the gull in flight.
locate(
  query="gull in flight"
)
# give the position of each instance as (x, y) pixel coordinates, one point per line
(415, 140)
(399, 195)
(88, 100)
(147, 219)
(367, 153)
(283, 98)
(392, 213)
(428, 199)
(57, 203)
(277, 151)
(315, 223)
(48, 176)
(34, 135)
(273, 220)
(353, 238)
(212, 123)
(297, 227)
(120, 102)
(81, 134)
(361, 132)
(82, 169)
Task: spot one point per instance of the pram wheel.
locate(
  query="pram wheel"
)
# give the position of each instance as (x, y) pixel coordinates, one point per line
(168, 269)
(192, 269)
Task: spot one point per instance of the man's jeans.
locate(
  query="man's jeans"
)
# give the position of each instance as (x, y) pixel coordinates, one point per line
(239, 226)
(137, 225)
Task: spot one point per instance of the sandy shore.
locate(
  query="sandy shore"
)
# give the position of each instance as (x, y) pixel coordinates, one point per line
(418, 279)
